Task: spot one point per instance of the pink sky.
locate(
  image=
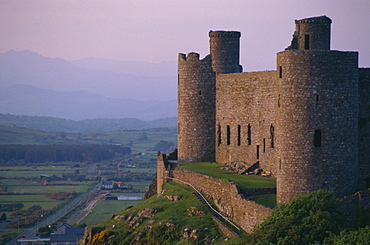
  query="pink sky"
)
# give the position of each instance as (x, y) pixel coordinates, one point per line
(157, 30)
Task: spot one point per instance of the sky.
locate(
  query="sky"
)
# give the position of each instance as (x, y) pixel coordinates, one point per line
(157, 30)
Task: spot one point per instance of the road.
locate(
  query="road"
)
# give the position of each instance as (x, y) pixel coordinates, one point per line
(31, 232)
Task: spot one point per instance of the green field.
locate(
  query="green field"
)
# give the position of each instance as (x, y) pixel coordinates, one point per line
(244, 181)
(17, 135)
(106, 208)
(30, 200)
(30, 174)
(82, 188)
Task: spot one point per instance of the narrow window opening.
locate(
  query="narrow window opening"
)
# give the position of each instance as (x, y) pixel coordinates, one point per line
(317, 97)
(249, 135)
(258, 152)
(317, 138)
(272, 135)
(306, 41)
(200, 92)
(178, 128)
(264, 145)
(279, 100)
(219, 139)
(228, 135)
(280, 72)
(239, 135)
(279, 163)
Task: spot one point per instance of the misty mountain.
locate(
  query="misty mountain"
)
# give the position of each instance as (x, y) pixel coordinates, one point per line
(115, 79)
(68, 125)
(31, 84)
(163, 69)
(77, 105)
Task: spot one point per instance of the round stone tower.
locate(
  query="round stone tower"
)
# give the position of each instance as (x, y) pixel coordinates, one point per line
(197, 95)
(196, 108)
(317, 111)
(224, 48)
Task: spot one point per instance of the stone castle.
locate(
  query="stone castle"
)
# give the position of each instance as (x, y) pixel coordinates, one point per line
(306, 123)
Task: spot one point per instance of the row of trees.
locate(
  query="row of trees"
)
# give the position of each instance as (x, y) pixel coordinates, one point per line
(60, 153)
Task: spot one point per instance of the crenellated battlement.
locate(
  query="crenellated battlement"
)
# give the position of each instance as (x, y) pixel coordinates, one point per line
(189, 56)
(234, 34)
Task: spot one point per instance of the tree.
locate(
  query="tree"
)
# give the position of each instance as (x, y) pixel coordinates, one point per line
(360, 236)
(45, 231)
(3, 217)
(143, 137)
(306, 219)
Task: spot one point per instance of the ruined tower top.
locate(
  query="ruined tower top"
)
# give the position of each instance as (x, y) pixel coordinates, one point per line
(224, 49)
(312, 34)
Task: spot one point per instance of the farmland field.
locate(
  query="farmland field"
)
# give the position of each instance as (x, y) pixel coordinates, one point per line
(106, 208)
(37, 185)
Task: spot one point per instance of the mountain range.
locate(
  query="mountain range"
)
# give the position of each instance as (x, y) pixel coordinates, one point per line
(31, 84)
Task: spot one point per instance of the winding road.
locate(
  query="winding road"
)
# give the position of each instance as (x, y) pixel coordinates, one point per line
(31, 232)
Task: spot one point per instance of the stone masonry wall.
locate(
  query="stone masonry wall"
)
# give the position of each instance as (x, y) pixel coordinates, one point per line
(245, 118)
(161, 168)
(245, 213)
(364, 127)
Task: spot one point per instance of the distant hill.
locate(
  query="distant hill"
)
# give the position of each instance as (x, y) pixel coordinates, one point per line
(77, 105)
(136, 68)
(67, 125)
(115, 79)
(31, 84)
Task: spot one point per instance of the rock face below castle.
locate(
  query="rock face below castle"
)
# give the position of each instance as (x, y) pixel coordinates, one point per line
(306, 122)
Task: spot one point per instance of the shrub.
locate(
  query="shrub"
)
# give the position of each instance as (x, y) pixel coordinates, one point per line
(306, 219)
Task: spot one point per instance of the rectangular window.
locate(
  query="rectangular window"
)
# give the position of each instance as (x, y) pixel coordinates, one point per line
(272, 136)
(239, 136)
(219, 139)
(264, 145)
(306, 41)
(317, 138)
(258, 152)
(249, 135)
(228, 135)
(280, 72)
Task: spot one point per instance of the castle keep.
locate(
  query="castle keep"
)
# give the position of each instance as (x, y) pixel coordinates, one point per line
(306, 123)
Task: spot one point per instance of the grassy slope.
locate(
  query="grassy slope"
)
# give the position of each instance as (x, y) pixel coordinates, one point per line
(17, 135)
(244, 181)
(167, 212)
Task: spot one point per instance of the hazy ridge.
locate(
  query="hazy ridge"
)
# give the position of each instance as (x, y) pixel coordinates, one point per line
(85, 89)
(67, 125)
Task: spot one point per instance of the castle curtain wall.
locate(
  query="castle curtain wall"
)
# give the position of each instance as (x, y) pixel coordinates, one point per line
(246, 103)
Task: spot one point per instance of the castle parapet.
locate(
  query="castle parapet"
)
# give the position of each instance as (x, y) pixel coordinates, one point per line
(188, 57)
